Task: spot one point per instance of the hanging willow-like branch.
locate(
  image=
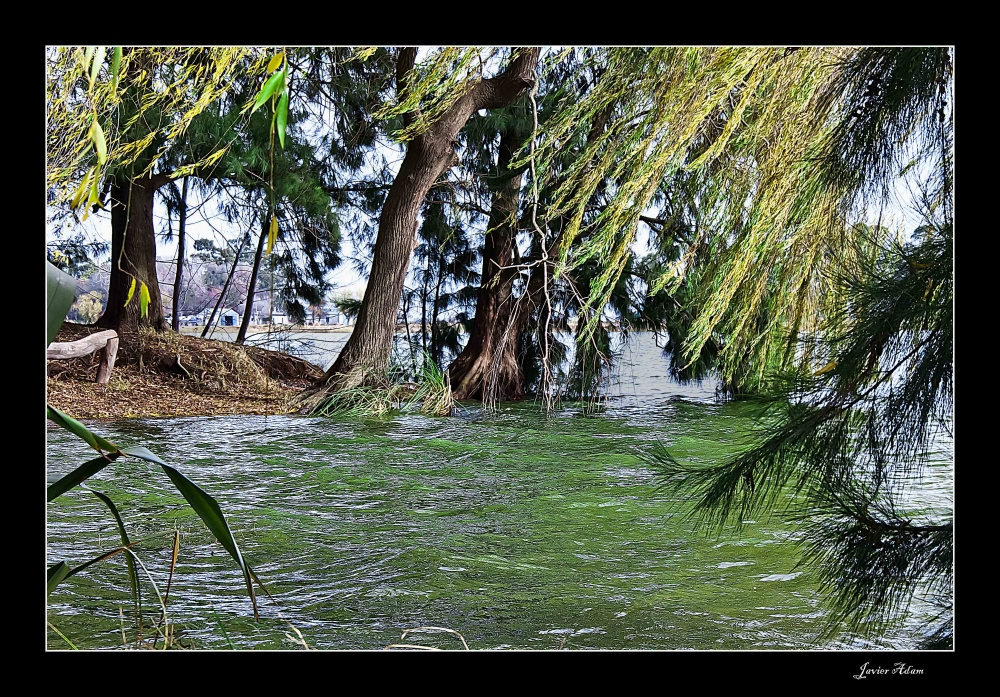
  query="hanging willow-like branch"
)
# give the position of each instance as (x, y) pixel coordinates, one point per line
(789, 141)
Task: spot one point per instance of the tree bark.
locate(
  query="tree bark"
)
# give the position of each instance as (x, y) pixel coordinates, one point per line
(133, 256)
(435, 310)
(365, 356)
(487, 368)
(241, 336)
(175, 321)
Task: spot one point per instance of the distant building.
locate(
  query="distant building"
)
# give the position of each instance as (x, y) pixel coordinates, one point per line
(279, 318)
(229, 318)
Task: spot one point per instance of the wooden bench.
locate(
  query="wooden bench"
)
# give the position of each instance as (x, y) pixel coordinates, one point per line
(106, 342)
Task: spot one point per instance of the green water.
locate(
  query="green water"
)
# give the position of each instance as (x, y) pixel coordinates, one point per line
(516, 530)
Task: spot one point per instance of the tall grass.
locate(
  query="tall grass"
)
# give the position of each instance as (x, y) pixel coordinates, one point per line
(430, 394)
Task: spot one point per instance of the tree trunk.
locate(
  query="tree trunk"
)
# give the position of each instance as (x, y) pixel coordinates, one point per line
(487, 368)
(424, 294)
(133, 256)
(435, 310)
(365, 356)
(175, 322)
(241, 336)
(407, 299)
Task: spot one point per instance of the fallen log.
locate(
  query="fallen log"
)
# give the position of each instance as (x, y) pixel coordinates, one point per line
(105, 341)
(108, 354)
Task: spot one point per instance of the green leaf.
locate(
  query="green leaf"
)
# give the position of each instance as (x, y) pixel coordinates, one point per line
(83, 189)
(89, 469)
(78, 429)
(141, 453)
(133, 575)
(60, 288)
(268, 89)
(96, 67)
(100, 144)
(282, 116)
(832, 365)
(56, 574)
(208, 510)
(88, 53)
(116, 63)
(131, 292)
(95, 195)
(84, 471)
(143, 299)
(272, 235)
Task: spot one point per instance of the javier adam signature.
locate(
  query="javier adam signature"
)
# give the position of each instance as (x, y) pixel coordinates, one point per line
(897, 669)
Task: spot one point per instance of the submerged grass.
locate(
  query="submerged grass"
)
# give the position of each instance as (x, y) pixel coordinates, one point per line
(365, 400)
(430, 394)
(420, 647)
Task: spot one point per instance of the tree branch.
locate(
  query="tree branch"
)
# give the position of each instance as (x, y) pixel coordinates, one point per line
(158, 180)
(663, 224)
(356, 188)
(404, 66)
(519, 76)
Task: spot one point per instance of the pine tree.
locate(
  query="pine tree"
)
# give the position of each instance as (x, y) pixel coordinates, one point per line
(851, 427)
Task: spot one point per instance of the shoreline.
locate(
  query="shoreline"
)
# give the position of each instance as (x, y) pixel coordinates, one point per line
(215, 378)
(273, 328)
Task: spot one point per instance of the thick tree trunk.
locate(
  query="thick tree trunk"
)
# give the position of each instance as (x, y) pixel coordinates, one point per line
(133, 256)
(365, 356)
(241, 336)
(487, 368)
(175, 322)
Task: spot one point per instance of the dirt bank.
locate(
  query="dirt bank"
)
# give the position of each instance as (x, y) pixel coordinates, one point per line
(213, 377)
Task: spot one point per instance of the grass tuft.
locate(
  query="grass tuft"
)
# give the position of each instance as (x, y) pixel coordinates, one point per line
(430, 395)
